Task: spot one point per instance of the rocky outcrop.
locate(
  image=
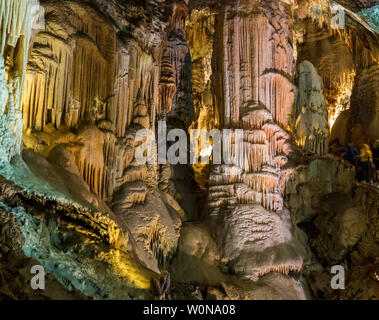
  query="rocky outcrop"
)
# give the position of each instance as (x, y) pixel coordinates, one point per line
(81, 258)
(15, 268)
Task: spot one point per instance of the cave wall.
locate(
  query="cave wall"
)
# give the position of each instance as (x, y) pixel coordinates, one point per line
(93, 80)
(99, 71)
(18, 22)
(350, 100)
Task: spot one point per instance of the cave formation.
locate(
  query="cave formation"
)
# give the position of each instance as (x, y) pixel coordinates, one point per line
(79, 79)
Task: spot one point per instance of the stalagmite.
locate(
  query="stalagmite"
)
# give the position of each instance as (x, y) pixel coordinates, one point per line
(312, 128)
(70, 76)
(255, 91)
(267, 92)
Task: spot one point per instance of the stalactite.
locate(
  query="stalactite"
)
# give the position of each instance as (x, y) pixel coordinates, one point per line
(173, 60)
(285, 269)
(89, 81)
(136, 76)
(173, 83)
(255, 156)
(312, 128)
(70, 75)
(167, 83)
(90, 158)
(111, 152)
(199, 31)
(17, 20)
(141, 116)
(16, 24)
(48, 88)
(255, 117)
(121, 101)
(255, 136)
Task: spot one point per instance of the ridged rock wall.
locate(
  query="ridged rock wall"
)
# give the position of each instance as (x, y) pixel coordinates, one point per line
(104, 225)
(253, 82)
(17, 21)
(93, 80)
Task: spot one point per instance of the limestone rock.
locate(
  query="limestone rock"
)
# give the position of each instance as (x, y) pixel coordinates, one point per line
(75, 91)
(312, 129)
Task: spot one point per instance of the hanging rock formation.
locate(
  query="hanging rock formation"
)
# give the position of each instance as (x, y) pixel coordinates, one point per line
(80, 79)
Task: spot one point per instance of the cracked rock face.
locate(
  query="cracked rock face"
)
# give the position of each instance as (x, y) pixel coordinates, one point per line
(75, 92)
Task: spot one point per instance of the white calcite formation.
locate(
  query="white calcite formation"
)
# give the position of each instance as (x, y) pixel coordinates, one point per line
(312, 128)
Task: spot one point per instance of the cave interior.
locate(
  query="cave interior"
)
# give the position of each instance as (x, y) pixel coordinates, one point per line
(297, 78)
